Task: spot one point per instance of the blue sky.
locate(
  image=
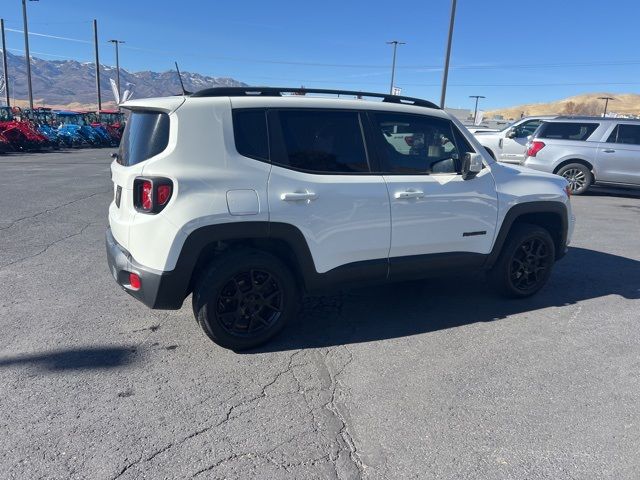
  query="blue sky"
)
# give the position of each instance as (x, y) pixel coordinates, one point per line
(510, 51)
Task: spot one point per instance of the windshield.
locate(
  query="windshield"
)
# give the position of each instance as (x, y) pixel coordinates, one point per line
(5, 114)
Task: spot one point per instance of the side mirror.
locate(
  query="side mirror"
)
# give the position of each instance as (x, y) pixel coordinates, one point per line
(512, 133)
(114, 155)
(471, 165)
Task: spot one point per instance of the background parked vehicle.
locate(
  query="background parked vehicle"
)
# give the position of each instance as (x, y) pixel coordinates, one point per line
(75, 126)
(92, 120)
(587, 150)
(114, 122)
(5, 145)
(20, 133)
(43, 120)
(509, 144)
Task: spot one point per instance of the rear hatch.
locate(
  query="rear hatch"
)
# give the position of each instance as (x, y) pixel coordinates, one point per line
(146, 135)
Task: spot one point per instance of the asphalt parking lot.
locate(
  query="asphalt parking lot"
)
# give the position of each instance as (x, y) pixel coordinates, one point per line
(438, 379)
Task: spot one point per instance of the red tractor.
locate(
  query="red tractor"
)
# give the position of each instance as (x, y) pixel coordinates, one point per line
(5, 145)
(113, 120)
(21, 134)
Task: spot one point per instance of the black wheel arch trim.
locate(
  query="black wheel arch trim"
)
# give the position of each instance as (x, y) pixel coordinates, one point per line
(167, 290)
(517, 211)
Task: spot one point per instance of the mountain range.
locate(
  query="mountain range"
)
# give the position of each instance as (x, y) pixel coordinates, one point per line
(72, 84)
(585, 104)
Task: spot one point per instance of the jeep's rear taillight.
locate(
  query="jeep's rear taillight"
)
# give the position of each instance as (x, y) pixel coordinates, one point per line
(534, 148)
(146, 195)
(151, 195)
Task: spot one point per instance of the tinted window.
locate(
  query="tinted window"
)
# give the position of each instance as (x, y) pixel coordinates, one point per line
(527, 128)
(146, 135)
(250, 131)
(323, 141)
(416, 144)
(463, 145)
(629, 134)
(567, 131)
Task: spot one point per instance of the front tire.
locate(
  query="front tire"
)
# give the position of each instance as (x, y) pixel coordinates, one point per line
(525, 263)
(579, 177)
(244, 298)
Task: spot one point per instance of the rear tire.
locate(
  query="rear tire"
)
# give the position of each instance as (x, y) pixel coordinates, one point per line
(579, 177)
(525, 263)
(244, 298)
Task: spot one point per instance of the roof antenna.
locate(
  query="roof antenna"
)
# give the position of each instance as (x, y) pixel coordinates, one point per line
(184, 92)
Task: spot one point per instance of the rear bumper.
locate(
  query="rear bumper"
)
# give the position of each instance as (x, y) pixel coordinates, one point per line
(159, 290)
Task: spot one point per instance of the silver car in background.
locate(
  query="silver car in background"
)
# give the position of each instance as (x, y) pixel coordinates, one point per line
(587, 150)
(509, 144)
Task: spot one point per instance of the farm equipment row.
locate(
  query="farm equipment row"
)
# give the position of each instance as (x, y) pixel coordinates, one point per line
(45, 129)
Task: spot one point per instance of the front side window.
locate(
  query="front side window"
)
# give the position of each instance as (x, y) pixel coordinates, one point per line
(629, 134)
(146, 135)
(567, 130)
(527, 128)
(416, 144)
(323, 141)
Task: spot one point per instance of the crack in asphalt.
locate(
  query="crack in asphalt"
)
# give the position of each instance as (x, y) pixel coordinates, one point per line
(228, 416)
(343, 455)
(49, 210)
(344, 434)
(48, 246)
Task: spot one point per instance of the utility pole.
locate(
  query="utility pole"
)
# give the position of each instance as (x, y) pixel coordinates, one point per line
(116, 43)
(475, 112)
(445, 74)
(26, 50)
(5, 68)
(395, 44)
(95, 43)
(606, 104)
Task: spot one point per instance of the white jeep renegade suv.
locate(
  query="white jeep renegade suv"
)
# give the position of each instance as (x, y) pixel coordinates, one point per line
(249, 198)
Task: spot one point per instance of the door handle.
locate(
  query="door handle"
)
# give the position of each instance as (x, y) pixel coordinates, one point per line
(298, 196)
(608, 150)
(409, 194)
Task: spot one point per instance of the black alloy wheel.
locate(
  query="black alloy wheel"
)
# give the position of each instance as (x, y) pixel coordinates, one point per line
(249, 302)
(529, 264)
(245, 297)
(525, 262)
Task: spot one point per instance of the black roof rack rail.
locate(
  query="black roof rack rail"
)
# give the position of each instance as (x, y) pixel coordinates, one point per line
(277, 92)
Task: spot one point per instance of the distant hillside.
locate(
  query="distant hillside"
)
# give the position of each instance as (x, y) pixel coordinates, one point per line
(587, 104)
(73, 84)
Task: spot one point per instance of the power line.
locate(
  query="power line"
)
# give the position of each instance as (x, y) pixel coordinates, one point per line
(349, 65)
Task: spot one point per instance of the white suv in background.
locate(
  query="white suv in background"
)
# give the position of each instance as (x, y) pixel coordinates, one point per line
(509, 144)
(250, 197)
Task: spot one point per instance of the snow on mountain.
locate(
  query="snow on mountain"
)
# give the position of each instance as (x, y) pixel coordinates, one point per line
(60, 82)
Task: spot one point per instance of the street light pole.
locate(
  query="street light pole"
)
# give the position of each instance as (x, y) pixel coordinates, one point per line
(445, 75)
(395, 44)
(116, 43)
(5, 68)
(26, 50)
(606, 104)
(475, 112)
(95, 42)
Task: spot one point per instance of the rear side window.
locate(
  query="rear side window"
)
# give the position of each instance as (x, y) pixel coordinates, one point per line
(629, 134)
(322, 141)
(146, 135)
(250, 132)
(567, 130)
